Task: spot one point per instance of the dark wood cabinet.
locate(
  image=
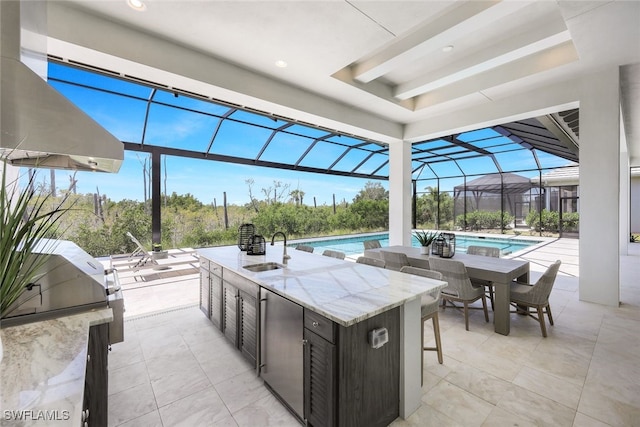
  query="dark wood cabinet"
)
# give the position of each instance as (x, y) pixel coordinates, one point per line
(95, 400)
(347, 382)
(319, 380)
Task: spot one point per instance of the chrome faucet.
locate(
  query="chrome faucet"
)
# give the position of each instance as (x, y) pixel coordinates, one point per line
(285, 257)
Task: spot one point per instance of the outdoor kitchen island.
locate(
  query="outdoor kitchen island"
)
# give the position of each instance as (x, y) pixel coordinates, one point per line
(336, 341)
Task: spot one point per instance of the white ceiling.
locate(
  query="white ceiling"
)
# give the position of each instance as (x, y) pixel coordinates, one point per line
(372, 68)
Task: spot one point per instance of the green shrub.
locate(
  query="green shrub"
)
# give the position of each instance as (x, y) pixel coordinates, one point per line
(550, 220)
(484, 220)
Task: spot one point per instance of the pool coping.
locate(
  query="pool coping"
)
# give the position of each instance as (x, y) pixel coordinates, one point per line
(542, 240)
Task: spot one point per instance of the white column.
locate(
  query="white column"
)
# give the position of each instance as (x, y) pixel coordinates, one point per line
(400, 191)
(410, 362)
(600, 187)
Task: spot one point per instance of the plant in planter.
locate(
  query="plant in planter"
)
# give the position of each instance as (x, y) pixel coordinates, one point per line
(27, 218)
(426, 238)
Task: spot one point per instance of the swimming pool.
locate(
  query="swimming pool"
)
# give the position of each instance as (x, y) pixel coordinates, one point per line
(354, 245)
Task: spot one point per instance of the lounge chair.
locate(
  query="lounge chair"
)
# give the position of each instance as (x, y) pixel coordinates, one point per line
(141, 259)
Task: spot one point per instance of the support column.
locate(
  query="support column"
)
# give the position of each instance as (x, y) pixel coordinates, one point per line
(156, 220)
(400, 194)
(410, 358)
(600, 188)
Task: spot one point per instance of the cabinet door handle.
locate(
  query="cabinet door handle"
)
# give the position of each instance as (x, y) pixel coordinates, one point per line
(88, 358)
(315, 324)
(305, 342)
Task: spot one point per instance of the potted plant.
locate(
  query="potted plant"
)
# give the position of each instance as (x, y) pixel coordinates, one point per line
(27, 218)
(425, 238)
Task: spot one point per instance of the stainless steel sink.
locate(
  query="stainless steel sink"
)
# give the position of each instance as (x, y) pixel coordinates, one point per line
(265, 266)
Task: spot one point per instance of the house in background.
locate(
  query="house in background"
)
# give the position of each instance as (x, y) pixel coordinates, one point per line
(562, 192)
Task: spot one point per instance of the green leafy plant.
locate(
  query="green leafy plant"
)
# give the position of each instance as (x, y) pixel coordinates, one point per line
(28, 226)
(425, 238)
(634, 238)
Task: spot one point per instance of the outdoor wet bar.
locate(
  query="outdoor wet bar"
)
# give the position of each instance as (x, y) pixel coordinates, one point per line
(337, 342)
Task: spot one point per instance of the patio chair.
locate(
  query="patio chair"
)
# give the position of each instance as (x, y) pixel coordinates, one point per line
(524, 296)
(484, 251)
(371, 244)
(371, 261)
(460, 288)
(305, 248)
(429, 308)
(140, 260)
(139, 251)
(334, 254)
(394, 260)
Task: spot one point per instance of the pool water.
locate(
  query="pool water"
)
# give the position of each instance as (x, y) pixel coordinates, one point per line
(354, 245)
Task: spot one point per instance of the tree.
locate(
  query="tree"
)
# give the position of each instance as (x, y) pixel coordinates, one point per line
(253, 200)
(372, 191)
(297, 196)
(427, 207)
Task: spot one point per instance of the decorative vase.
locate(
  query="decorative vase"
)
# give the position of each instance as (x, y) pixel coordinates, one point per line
(425, 250)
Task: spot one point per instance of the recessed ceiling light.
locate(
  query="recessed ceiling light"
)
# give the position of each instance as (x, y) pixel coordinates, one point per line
(281, 64)
(447, 48)
(137, 5)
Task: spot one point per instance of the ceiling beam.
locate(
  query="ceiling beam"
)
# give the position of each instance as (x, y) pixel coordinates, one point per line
(462, 20)
(507, 50)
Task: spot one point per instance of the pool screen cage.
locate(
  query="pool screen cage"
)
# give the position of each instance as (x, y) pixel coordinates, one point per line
(496, 201)
(477, 168)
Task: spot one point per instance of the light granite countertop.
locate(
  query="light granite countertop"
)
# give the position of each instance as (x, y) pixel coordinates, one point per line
(43, 368)
(343, 291)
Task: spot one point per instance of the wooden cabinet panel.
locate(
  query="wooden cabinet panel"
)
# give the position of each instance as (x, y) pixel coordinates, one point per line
(369, 379)
(349, 383)
(96, 377)
(319, 380)
(320, 325)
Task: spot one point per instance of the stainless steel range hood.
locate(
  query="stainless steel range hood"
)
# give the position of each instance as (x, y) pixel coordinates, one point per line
(39, 126)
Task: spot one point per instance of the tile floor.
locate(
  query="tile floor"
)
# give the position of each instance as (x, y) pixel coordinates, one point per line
(176, 369)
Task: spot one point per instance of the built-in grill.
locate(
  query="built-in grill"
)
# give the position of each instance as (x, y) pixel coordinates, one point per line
(70, 281)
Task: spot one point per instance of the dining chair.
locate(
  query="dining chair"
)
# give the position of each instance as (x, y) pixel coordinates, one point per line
(484, 251)
(334, 254)
(371, 261)
(394, 260)
(371, 244)
(525, 296)
(429, 307)
(305, 248)
(460, 288)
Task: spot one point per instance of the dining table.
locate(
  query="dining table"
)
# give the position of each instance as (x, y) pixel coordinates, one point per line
(500, 271)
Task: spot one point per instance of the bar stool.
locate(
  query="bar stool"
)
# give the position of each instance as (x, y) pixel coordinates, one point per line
(334, 254)
(371, 261)
(429, 308)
